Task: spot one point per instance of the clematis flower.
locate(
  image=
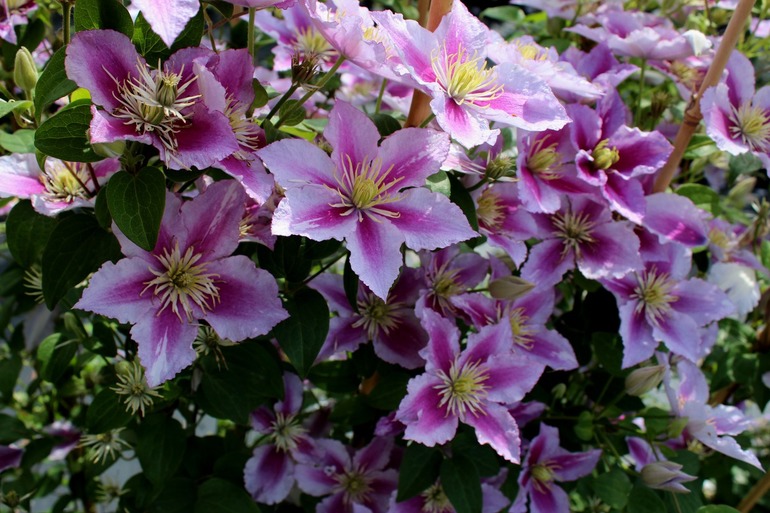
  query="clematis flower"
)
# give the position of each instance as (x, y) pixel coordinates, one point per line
(737, 118)
(599, 66)
(14, 12)
(371, 196)
(10, 457)
(450, 66)
(448, 273)
(657, 471)
(165, 108)
(189, 276)
(167, 18)
(356, 484)
(547, 463)
(269, 473)
(713, 426)
(58, 187)
(435, 500)
(470, 386)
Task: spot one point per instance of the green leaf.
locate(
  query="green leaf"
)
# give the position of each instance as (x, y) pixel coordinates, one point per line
(107, 412)
(702, 196)
(717, 509)
(221, 496)
(76, 248)
(439, 182)
(160, 447)
(390, 390)
(745, 163)
(27, 232)
(462, 199)
(149, 44)
(304, 332)
(503, 13)
(101, 210)
(249, 375)
(461, 484)
(10, 368)
(12, 106)
(136, 203)
(54, 356)
(260, 95)
(53, 83)
(765, 253)
(644, 500)
(178, 496)
(385, 123)
(350, 284)
(20, 141)
(613, 488)
(419, 469)
(292, 113)
(11, 429)
(63, 136)
(102, 14)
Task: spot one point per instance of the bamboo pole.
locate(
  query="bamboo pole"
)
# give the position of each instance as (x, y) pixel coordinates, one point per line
(692, 115)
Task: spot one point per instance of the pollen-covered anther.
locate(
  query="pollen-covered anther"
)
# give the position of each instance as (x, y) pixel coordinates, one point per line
(364, 187)
(377, 315)
(436, 500)
(573, 229)
(654, 294)
(465, 78)
(542, 475)
(543, 160)
(522, 331)
(605, 156)
(183, 283)
(463, 390)
(490, 210)
(752, 126)
(355, 485)
(310, 42)
(286, 431)
(65, 181)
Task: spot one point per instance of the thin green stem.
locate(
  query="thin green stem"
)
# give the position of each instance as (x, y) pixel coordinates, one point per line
(477, 185)
(250, 32)
(379, 96)
(66, 20)
(316, 87)
(427, 120)
(642, 71)
(280, 102)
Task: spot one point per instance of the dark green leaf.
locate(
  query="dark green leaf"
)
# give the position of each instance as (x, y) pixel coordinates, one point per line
(101, 210)
(64, 135)
(389, 391)
(102, 14)
(292, 113)
(220, 496)
(250, 375)
(462, 199)
(53, 83)
(702, 196)
(350, 283)
(27, 233)
(419, 469)
(11, 429)
(461, 484)
(12, 106)
(303, 333)
(608, 351)
(20, 141)
(178, 496)
(717, 509)
(226, 8)
(483, 457)
(149, 44)
(260, 95)
(745, 163)
(76, 248)
(287, 259)
(160, 447)
(107, 412)
(643, 500)
(54, 356)
(385, 124)
(9, 373)
(613, 488)
(136, 203)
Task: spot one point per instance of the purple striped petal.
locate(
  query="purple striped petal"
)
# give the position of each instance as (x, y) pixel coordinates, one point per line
(375, 254)
(165, 345)
(307, 211)
(425, 421)
(444, 342)
(352, 135)
(212, 221)
(296, 162)
(638, 344)
(269, 475)
(495, 427)
(547, 263)
(414, 154)
(115, 290)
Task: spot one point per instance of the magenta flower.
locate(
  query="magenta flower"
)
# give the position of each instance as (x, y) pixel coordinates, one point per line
(167, 17)
(713, 426)
(469, 386)
(434, 500)
(10, 457)
(269, 473)
(599, 66)
(165, 108)
(371, 196)
(60, 186)
(356, 484)
(546, 464)
(189, 276)
(656, 470)
(737, 117)
(450, 65)
(449, 273)
(14, 12)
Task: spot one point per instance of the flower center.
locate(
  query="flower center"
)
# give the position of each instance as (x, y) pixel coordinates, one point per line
(355, 485)
(64, 181)
(573, 229)
(183, 282)
(653, 292)
(531, 52)
(465, 78)
(153, 101)
(463, 389)
(542, 160)
(490, 211)
(604, 156)
(377, 315)
(752, 126)
(363, 187)
(249, 135)
(522, 331)
(436, 500)
(311, 43)
(286, 431)
(542, 475)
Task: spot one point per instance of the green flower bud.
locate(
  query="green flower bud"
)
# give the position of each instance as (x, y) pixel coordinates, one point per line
(510, 287)
(642, 380)
(109, 150)
(605, 157)
(25, 71)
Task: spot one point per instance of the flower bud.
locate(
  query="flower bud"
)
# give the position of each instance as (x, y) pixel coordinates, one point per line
(500, 167)
(666, 475)
(25, 71)
(510, 287)
(642, 380)
(109, 150)
(604, 156)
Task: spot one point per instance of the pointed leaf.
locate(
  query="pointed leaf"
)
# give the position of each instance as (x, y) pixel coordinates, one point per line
(462, 484)
(106, 412)
(103, 14)
(419, 469)
(221, 496)
(27, 233)
(303, 333)
(136, 203)
(160, 447)
(64, 135)
(53, 83)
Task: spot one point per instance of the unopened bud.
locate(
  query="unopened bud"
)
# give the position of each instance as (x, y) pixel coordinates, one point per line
(109, 150)
(500, 167)
(25, 71)
(510, 287)
(303, 68)
(642, 380)
(666, 475)
(604, 156)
